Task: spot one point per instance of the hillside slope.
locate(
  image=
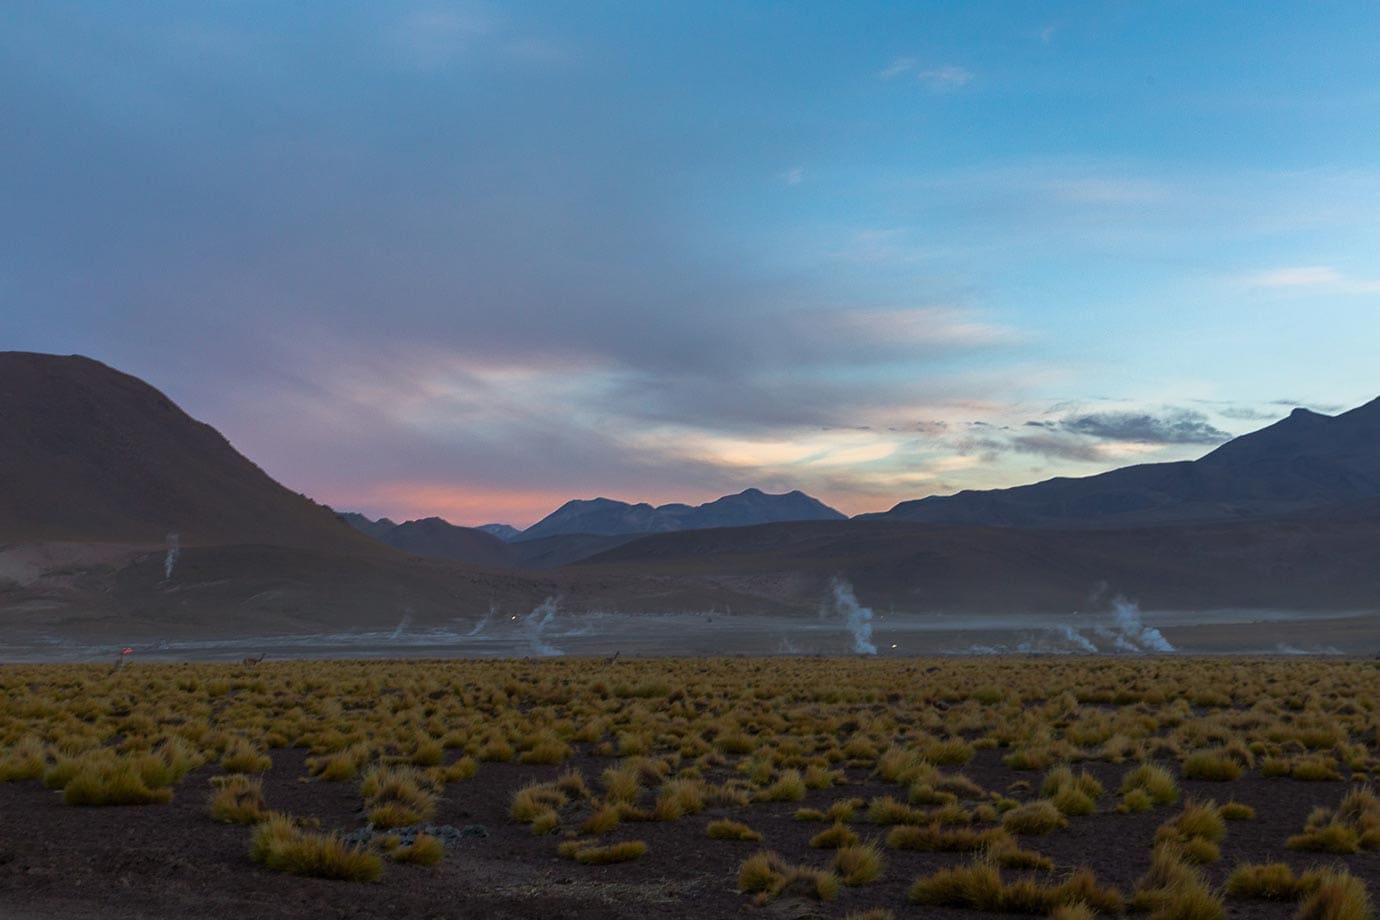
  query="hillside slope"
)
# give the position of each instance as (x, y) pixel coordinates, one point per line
(1305, 460)
(90, 454)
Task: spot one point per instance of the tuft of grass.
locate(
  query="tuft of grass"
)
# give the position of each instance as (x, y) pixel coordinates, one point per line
(533, 799)
(625, 851)
(280, 845)
(237, 799)
(1217, 766)
(760, 872)
(1236, 811)
(837, 836)
(935, 839)
(1154, 781)
(425, 850)
(979, 886)
(1336, 895)
(1038, 817)
(789, 787)
(462, 769)
(725, 829)
(603, 819)
(26, 759)
(242, 757)
(397, 796)
(112, 781)
(858, 864)
(1271, 882)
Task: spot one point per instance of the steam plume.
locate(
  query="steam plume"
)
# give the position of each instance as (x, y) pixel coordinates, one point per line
(856, 618)
(538, 620)
(1131, 635)
(170, 559)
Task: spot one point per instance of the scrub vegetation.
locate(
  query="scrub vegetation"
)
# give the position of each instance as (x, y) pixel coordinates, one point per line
(885, 786)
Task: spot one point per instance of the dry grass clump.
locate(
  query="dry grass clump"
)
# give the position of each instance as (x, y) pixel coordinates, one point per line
(280, 845)
(340, 766)
(1236, 811)
(979, 886)
(1215, 765)
(1195, 832)
(788, 787)
(101, 777)
(1072, 795)
(724, 829)
(397, 796)
(593, 855)
(242, 757)
(1146, 786)
(886, 810)
(835, 837)
(859, 864)
(26, 759)
(1271, 882)
(1336, 895)
(1354, 825)
(425, 850)
(769, 876)
(933, 838)
(1038, 817)
(237, 799)
(1173, 889)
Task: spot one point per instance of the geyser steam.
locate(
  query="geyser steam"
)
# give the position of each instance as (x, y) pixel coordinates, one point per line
(1129, 634)
(856, 618)
(537, 621)
(170, 559)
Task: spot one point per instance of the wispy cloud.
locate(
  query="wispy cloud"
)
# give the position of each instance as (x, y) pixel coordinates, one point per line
(935, 327)
(1322, 278)
(1179, 426)
(897, 67)
(945, 78)
(793, 176)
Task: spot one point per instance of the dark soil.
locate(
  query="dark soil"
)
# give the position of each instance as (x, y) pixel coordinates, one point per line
(172, 861)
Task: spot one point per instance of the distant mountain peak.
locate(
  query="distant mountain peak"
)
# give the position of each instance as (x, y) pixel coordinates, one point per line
(1304, 460)
(603, 516)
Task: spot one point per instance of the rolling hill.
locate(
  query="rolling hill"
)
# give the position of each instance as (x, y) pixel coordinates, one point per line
(90, 454)
(1303, 461)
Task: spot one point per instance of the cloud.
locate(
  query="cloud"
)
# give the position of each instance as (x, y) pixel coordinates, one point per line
(897, 67)
(1247, 414)
(1180, 426)
(945, 78)
(1058, 447)
(793, 176)
(1321, 278)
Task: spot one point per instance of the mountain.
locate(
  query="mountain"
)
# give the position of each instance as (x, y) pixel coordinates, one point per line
(376, 529)
(505, 532)
(1321, 559)
(1304, 461)
(91, 454)
(606, 517)
(434, 538)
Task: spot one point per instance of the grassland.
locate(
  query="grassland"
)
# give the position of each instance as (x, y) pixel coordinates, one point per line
(1164, 787)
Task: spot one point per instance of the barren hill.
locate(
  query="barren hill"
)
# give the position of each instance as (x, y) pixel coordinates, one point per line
(1305, 460)
(90, 454)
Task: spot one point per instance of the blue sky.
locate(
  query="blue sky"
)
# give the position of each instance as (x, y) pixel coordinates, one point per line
(475, 259)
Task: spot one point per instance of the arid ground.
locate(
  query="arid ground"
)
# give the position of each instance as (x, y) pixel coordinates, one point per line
(936, 763)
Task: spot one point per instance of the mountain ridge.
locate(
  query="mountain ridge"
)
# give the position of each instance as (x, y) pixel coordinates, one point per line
(1305, 459)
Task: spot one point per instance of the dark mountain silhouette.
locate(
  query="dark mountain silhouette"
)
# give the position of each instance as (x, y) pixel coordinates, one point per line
(88, 453)
(606, 517)
(1303, 461)
(505, 532)
(434, 538)
(376, 529)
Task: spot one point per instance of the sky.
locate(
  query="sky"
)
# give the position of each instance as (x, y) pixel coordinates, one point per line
(476, 259)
